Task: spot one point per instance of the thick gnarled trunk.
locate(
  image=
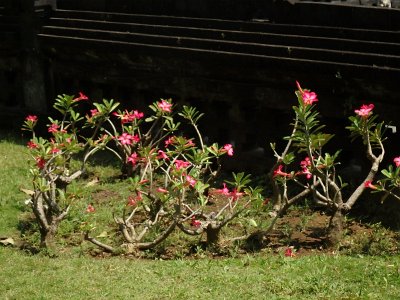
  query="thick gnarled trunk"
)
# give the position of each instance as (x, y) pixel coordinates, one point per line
(335, 229)
(212, 235)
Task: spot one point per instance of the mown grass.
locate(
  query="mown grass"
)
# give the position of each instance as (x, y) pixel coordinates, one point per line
(271, 277)
(73, 274)
(14, 174)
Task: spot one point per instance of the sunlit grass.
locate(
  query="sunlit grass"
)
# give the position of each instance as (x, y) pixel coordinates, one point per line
(14, 174)
(271, 277)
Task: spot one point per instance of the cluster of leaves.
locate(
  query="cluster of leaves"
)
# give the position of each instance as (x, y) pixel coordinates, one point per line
(389, 185)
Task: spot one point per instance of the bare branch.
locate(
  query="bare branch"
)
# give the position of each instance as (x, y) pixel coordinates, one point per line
(375, 162)
(61, 216)
(38, 210)
(105, 247)
(160, 238)
(234, 215)
(69, 179)
(198, 231)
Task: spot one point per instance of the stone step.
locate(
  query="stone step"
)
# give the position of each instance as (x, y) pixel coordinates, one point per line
(234, 25)
(374, 49)
(271, 50)
(288, 39)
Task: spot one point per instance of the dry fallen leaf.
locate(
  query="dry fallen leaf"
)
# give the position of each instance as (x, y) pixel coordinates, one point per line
(7, 241)
(103, 234)
(93, 182)
(28, 192)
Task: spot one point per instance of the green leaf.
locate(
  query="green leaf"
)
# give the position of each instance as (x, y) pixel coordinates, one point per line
(386, 173)
(289, 158)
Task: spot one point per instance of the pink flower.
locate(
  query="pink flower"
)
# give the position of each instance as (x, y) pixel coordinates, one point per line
(161, 190)
(94, 112)
(190, 180)
(53, 128)
(396, 161)
(137, 114)
(195, 223)
(224, 191)
(307, 172)
(54, 150)
(368, 184)
(31, 118)
(169, 141)
(133, 158)
(308, 97)
(179, 164)
(235, 195)
(278, 172)
(136, 138)
(229, 149)
(190, 144)
(32, 145)
(127, 116)
(162, 155)
(289, 252)
(125, 139)
(144, 181)
(40, 162)
(365, 110)
(164, 105)
(90, 209)
(81, 97)
(305, 163)
(133, 200)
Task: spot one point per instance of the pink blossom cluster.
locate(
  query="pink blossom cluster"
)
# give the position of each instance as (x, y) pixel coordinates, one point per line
(365, 111)
(194, 222)
(307, 96)
(129, 116)
(181, 164)
(31, 118)
(396, 161)
(305, 164)
(81, 97)
(228, 148)
(133, 200)
(234, 194)
(279, 172)
(164, 105)
(128, 139)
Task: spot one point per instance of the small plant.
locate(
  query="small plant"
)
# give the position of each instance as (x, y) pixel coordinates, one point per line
(317, 175)
(170, 178)
(52, 166)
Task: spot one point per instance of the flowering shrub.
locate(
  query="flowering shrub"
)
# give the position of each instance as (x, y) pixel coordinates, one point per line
(170, 176)
(169, 173)
(52, 169)
(317, 170)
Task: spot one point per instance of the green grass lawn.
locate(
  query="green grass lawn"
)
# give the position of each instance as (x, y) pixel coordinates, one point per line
(270, 277)
(76, 275)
